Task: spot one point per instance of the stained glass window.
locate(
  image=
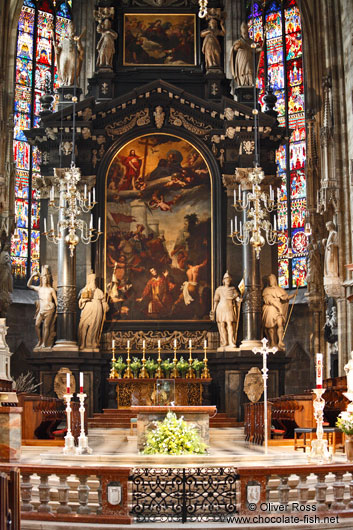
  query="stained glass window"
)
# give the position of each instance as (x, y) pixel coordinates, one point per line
(276, 25)
(34, 75)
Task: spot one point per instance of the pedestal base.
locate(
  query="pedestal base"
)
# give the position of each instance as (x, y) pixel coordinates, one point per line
(319, 452)
(250, 344)
(65, 346)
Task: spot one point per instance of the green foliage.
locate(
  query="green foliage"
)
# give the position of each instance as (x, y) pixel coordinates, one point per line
(173, 436)
(151, 366)
(197, 365)
(135, 365)
(345, 422)
(167, 366)
(182, 366)
(119, 365)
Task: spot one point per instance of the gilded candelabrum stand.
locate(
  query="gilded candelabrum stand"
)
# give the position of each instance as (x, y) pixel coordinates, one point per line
(128, 373)
(83, 447)
(143, 373)
(159, 371)
(69, 447)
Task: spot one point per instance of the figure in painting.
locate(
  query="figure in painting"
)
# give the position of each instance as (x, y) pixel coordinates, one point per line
(226, 311)
(211, 47)
(45, 308)
(93, 309)
(132, 164)
(69, 62)
(274, 312)
(156, 294)
(242, 58)
(331, 251)
(106, 44)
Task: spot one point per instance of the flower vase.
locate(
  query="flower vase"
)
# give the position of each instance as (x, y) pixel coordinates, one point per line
(349, 447)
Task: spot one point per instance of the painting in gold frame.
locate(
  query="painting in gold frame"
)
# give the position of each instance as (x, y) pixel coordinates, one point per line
(158, 246)
(159, 40)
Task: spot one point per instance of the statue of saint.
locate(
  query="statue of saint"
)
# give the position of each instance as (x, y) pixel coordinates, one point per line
(6, 283)
(106, 44)
(226, 312)
(211, 47)
(67, 61)
(274, 312)
(93, 309)
(242, 58)
(331, 251)
(348, 368)
(45, 315)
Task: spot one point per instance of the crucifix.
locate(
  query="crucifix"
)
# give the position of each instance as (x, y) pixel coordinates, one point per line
(264, 352)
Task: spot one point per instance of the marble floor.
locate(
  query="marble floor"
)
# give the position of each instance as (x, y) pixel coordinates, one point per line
(117, 447)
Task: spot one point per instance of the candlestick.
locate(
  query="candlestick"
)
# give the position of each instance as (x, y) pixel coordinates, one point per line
(81, 382)
(159, 371)
(68, 385)
(128, 373)
(205, 372)
(174, 373)
(82, 447)
(143, 373)
(190, 374)
(69, 447)
(113, 373)
(319, 450)
(319, 370)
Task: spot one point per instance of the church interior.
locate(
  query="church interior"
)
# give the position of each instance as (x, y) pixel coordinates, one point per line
(176, 261)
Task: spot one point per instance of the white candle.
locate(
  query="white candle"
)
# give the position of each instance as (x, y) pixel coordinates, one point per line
(67, 383)
(319, 370)
(128, 344)
(235, 198)
(99, 224)
(81, 382)
(94, 194)
(113, 343)
(174, 343)
(231, 226)
(45, 224)
(159, 343)
(205, 343)
(85, 192)
(236, 223)
(51, 222)
(190, 343)
(91, 223)
(143, 344)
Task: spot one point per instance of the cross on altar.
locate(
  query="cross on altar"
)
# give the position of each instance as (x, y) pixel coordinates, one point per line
(264, 352)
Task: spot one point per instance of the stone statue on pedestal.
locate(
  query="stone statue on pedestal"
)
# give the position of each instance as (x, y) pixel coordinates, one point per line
(242, 58)
(226, 309)
(331, 251)
(6, 283)
(274, 312)
(211, 47)
(106, 44)
(67, 62)
(45, 309)
(93, 309)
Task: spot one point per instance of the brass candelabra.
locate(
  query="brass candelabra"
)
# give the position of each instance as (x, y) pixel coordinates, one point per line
(205, 372)
(175, 360)
(190, 374)
(144, 373)
(128, 373)
(113, 373)
(159, 371)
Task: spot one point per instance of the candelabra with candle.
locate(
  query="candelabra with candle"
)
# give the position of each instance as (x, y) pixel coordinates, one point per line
(175, 360)
(71, 204)
(113, 373)
(143, 373)
(319, 450)
(190, 374)
(83, 447)
(205, 372)
(128, 373)
(159, 371)
(69, 447)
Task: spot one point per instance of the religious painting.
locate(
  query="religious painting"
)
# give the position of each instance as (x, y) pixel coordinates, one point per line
(159, 40)
(158, 232)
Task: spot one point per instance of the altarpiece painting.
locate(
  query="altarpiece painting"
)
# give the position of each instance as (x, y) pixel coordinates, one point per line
(158, 244)
(159, 40)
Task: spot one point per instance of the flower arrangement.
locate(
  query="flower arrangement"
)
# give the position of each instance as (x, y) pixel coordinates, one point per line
(345, 422)
(197, 366)
(119, 366)
(167, 367)
(151, 366)
(182, 366)
(173, 436)
(135, 366)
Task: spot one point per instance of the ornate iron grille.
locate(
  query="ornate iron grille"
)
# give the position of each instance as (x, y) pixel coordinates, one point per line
(183, 494)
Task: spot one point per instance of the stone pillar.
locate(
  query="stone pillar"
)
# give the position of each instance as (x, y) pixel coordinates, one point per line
(66, 333)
